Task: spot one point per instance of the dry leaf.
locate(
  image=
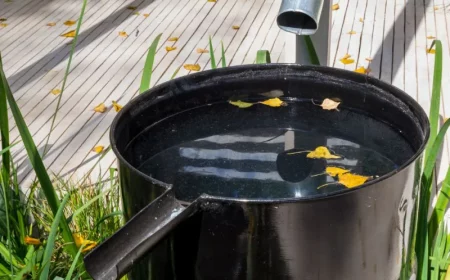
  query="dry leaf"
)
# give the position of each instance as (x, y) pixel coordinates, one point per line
(199, 50)
(369, 59)
(136, 13)
(213, 1)
(131, 8)
(2, 19)
(431, 51)
(436, 8)
(3, 24)
(346, 56)
(352, 32)
(56, 91)
(123, 34)
(361, 20)
(146, 15)
(431, 37)
(347, 60)
(192, 67)
(116, 106)
(51, 24)
(236, 27)
(31, 241)
(351, 180)
(328, 104)
(321, 152)
(100, 108)
(70, 22)
(169, 49)
(98, 149)
(362, 70)
(70, 34)
(335, 7)
(241, 104)
(273, 102)
(335, 171)
(172, 39)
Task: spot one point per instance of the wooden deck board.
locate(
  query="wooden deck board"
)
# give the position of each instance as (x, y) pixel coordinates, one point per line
(106, 67)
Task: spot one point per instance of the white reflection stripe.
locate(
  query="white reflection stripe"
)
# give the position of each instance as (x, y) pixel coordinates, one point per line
(227, 139)
(232, 173)
(195, 153)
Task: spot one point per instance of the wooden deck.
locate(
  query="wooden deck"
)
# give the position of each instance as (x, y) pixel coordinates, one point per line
(391, 40)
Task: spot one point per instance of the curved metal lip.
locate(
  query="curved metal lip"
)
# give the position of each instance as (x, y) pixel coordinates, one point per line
(416, 108)
(305, 31)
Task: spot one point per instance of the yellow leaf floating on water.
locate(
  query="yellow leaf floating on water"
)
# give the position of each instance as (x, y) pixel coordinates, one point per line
(80, 241)
(169, 48)
(335, 7)
(241, 104)
(98, 149)
(328, 104)
(123, 34)
(192, 67)
(172, 39)
(431, 51)
(352, 32)
(70, 34)
(31, 241)
(100, 108)
(56, 91)
(362, 70)
(51, 24)
(146, 15)
(3, 24)
(351, 180)
(334, 171)
(236, 27)
(322, 152)
(199, 50)
(70, 22)
(431, 37)
(273, 102)
(116, 106)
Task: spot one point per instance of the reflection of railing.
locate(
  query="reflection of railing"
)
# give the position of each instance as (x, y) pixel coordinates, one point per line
(307, 17)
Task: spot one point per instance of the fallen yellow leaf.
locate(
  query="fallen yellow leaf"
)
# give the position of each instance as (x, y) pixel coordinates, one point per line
(347, 60)
(335, 7)
(273, 102)
(146, 15)
(31, 241)
(369, 59)
(98, 149)
(116, 106)
(236, 27)
(136, 13)
(3, 24)
(352, 32)
(131, 8)
(351, 180)
(213, 1)
(322, 152)
(100, 108)
(362, 70)
(335, 171)
(169, 49)
(51, 24)
(328, 104)
(199, 50)
(361, 20)
(431, 51)
(241, 104)
(56, 91)
(436, 8)
(192, 67)
(431, 37)
(2, 19)
(123, 34)
(346, 56)
(70, 22)
(70, 34)
(172, 39)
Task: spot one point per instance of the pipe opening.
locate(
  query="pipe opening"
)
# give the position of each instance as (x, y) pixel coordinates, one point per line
(297, 22)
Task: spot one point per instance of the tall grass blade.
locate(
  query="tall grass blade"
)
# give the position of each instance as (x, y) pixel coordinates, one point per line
(52, 238)
(211, 54)
(148, 66)
(437, 252)
(85, 206)
(262, 57)
(313, 57)
(224, 61)
(436, 92)
(175, 73)
(437, 215)
(4, 132)
(37, 163)
(74, 264)
(8, 228)
(66, 74)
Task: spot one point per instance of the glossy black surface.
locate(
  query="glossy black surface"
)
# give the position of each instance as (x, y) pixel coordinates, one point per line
(361, 233)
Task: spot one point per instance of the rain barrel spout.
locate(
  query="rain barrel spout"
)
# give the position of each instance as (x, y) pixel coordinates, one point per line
(300, 16)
